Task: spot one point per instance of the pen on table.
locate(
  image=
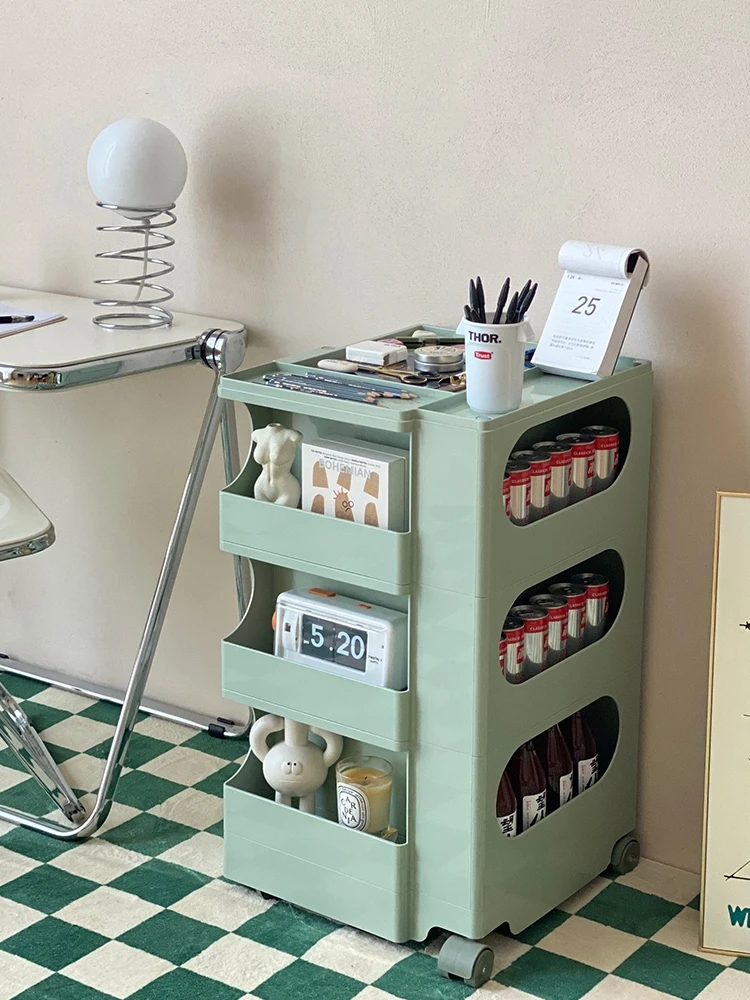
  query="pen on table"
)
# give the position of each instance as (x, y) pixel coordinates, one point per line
(16, 319)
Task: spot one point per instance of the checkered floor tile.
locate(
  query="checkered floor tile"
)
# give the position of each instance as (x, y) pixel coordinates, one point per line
(140, 912)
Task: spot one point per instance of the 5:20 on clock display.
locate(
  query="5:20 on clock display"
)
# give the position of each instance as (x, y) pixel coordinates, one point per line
(334, 642)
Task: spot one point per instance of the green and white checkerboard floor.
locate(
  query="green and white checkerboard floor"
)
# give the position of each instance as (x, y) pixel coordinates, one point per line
(141, 911)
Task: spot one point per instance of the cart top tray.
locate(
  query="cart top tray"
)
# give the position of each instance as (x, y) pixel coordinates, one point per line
(539, 390)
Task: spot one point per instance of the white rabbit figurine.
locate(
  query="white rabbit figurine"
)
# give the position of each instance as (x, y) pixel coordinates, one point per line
(275, 448)
(295, 767)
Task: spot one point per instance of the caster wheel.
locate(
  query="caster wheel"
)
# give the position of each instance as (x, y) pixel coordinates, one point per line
(626, 854)
(468, 960)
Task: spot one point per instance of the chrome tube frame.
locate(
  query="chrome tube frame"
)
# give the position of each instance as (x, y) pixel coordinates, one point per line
(222, 351)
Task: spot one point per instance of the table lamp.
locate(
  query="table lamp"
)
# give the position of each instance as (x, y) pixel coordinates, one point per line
(138, 168)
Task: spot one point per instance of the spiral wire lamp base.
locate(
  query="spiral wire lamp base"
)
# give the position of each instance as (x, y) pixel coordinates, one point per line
(144, 310)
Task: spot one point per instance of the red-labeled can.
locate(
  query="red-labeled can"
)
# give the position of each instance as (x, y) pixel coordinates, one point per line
(540, 480)
(584, 462)
(506, 492)
(597, 604)
(535, 636)
(513, 633)
(575, 595)
(520, 491)
(557, 631)
(561, 471)
(607, 454)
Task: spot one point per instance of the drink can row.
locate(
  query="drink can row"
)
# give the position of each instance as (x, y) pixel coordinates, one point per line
(553, 625)
(553, 474)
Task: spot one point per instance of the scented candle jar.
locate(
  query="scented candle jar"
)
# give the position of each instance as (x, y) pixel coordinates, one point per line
(363, 793)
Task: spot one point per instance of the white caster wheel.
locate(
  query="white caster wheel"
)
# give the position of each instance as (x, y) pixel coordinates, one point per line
(468, 960)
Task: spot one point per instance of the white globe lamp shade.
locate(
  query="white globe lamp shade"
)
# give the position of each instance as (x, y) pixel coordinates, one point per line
(137, 165)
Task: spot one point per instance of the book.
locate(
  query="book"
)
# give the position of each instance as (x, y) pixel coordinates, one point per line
(347, 479)
(591, 312)
(41, 318)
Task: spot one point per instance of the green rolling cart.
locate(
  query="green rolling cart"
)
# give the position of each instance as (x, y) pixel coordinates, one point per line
(456, 571)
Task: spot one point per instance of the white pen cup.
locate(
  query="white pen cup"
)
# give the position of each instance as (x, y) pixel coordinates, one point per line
(494, 358)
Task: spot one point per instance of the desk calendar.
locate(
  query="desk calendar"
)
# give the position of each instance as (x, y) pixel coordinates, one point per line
(592, 309)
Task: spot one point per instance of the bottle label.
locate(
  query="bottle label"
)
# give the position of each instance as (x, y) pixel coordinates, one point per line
(507, 824)
(588, 772)
(534, 809)
(354, 807)
(566, 788)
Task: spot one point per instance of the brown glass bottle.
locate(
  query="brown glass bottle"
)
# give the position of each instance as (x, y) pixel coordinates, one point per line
(559, 767)
(530, 787)
(506, 807)
(585, 756)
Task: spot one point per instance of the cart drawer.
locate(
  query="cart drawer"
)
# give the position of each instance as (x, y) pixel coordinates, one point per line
(314, 862)
(299, 539)
(344, 705)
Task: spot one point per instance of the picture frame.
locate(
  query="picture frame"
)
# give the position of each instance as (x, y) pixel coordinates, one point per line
(725, 869)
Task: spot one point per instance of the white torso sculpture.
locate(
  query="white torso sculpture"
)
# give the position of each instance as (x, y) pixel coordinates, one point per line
(294, 767)
(275, 448)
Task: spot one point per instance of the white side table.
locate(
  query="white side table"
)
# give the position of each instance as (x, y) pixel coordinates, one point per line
(76, 353)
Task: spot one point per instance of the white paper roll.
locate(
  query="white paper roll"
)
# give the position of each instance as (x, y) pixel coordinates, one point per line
(599, 258)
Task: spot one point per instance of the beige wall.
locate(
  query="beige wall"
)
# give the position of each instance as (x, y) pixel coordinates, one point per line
(351, 163)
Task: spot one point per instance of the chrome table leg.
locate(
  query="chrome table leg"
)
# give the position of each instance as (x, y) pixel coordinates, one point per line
(223, 352)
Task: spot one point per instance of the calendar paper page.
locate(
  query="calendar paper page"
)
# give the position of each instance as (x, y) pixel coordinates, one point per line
(592, 309)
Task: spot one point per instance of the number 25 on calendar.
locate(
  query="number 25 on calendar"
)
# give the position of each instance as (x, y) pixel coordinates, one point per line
(586, 306)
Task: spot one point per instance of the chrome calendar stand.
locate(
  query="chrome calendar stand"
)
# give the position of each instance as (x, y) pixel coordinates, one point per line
(222, 351)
